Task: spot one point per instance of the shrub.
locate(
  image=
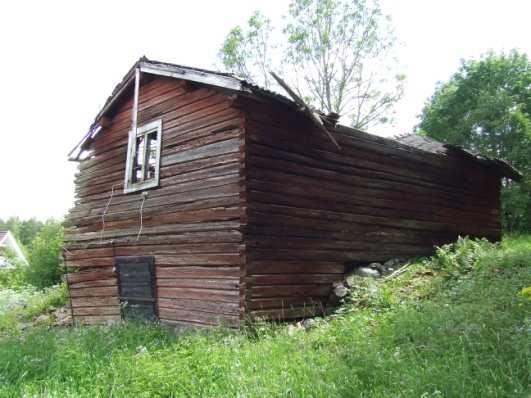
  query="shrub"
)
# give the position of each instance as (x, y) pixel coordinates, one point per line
(455, 259)
(44, 267)
(12, 275)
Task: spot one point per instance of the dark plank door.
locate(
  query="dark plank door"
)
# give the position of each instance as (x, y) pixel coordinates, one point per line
(136, 284)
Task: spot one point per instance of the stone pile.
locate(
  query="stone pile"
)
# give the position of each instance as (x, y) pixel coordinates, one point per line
(372, 270)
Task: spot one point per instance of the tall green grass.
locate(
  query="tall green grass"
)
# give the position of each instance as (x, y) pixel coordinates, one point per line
(452, 326)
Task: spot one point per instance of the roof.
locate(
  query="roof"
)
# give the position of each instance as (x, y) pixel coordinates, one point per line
(423, 143)
(217, 79)
(433, 146)
(3, 236)
(237, 84)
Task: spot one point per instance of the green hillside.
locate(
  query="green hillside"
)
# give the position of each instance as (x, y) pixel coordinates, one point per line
(455, 325)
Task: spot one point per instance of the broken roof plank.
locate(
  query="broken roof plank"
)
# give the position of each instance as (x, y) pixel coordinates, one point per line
(305, 109)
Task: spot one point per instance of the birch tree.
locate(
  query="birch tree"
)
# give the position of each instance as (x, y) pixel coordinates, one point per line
(338, 55)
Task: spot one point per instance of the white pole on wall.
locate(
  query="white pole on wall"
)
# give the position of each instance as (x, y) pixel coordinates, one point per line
(135, 103)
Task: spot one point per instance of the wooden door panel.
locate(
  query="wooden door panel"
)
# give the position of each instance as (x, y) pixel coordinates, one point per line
(136, 284)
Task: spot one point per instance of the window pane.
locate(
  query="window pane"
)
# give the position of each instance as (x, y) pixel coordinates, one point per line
(144, 164)
(139, 161)
(151, 155)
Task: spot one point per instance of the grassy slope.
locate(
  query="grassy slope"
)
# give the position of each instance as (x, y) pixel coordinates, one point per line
(455, 326)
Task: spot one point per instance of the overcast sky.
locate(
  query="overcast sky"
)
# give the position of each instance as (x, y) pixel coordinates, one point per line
(60, 60)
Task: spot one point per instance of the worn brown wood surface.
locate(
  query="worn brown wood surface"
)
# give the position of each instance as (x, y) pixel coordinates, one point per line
(190, 222)
(312, 209)
(256, 212)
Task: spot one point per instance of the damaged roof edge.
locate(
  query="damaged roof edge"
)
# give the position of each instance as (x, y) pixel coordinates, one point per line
(217, 79)
(503, 167)
(431, 145)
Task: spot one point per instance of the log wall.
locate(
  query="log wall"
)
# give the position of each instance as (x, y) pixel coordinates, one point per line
(257, 212)
(190, 222)
(312, 209)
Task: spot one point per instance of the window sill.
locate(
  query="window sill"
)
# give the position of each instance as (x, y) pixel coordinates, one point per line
(140, 186)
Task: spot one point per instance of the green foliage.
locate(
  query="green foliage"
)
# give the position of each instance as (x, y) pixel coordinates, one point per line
(20, 305)
(516, 204)
(11, 224)
(336, 53)
(456, 259)
(23, 230)
(232, 54)
(53, 296)
(429, 335)
(486, 107)
(42, 242)
(12, 276)
(29, 230)
(44, 267)
(248, 52)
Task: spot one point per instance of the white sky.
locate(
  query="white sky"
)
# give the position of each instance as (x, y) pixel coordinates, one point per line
(60, 60)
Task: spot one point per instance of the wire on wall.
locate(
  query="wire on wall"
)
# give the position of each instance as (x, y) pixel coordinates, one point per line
(144, 196)
(105, 211)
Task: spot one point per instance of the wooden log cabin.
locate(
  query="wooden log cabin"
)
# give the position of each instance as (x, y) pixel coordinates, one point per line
(202, 199)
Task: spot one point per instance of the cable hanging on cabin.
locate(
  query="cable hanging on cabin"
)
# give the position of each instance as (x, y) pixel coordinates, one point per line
(105, 211)
(144, 196)
(66, 250)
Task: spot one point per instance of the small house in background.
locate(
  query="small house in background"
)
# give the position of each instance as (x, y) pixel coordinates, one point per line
(203, 199)
(9, 243)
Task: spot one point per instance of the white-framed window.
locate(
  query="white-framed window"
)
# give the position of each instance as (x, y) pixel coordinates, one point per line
(143, 157)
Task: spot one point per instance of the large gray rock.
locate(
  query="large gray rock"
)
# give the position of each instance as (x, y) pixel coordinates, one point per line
(367, 272)
(381, 268)
(308, 323)
(62, 316)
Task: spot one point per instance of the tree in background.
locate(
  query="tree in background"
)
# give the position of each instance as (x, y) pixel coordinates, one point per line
(44, 267)
(12, 275)
(486, 108)
(336, 53)
(23, 230)
(247, 53)
(28, 230)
